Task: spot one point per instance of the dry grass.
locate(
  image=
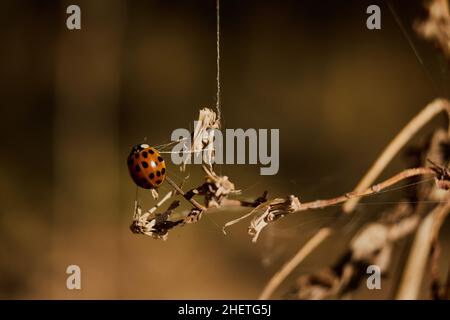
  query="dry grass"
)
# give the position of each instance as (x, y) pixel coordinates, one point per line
(374, 242)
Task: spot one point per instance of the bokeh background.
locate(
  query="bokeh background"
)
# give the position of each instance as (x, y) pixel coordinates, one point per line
(74, 102)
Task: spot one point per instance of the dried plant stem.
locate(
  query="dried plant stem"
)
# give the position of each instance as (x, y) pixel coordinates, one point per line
(156, 206)
(325, 232)
(161, 202)
(351, 199)
(439, 220)
(428, 113)
(415, 266)
(435, 283)
(180, 191)
(408, 173)
(304, 251)
(411, 281)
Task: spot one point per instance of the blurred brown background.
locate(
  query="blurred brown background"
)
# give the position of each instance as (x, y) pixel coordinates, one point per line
(74, 102)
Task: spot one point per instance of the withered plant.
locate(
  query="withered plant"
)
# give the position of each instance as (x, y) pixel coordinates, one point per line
(420, 215)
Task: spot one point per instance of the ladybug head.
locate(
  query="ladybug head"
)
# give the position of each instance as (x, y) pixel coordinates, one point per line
(139, 147)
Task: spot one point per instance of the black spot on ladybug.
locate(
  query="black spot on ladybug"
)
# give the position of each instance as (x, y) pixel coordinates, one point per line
(145, 154)
(151, 176)
(158, 181)
(160, 159)
(137, 169)
(163, 170)
(158, 173)
(151, 151)
(136, 155)
(144, 164)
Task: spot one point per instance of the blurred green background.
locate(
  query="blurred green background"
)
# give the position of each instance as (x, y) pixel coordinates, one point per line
(74, 102)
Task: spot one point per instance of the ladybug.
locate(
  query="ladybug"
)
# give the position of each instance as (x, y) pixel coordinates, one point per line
(146, 166)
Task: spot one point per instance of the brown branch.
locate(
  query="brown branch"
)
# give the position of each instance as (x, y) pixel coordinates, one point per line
(325, 232)
(362, 189)
(409, 288)
(180, 191)
(304, 251)
(408, 173)
(420, 120)
(435, 285)
(438, 290)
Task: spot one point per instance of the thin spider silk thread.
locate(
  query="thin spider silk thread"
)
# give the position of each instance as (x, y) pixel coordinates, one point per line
(433, 83)
(218, 59)
(160, 148)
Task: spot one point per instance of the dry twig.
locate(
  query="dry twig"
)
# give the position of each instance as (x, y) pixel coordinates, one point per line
(429, 112)
(415, 266)
(363, 188)
(304, 251)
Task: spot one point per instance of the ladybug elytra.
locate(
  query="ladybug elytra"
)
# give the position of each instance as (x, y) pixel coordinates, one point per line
(146, 166)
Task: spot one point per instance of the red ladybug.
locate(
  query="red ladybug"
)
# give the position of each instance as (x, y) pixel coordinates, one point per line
(146, 166)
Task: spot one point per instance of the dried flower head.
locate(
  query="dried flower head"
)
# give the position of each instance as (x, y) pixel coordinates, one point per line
(437, 25)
